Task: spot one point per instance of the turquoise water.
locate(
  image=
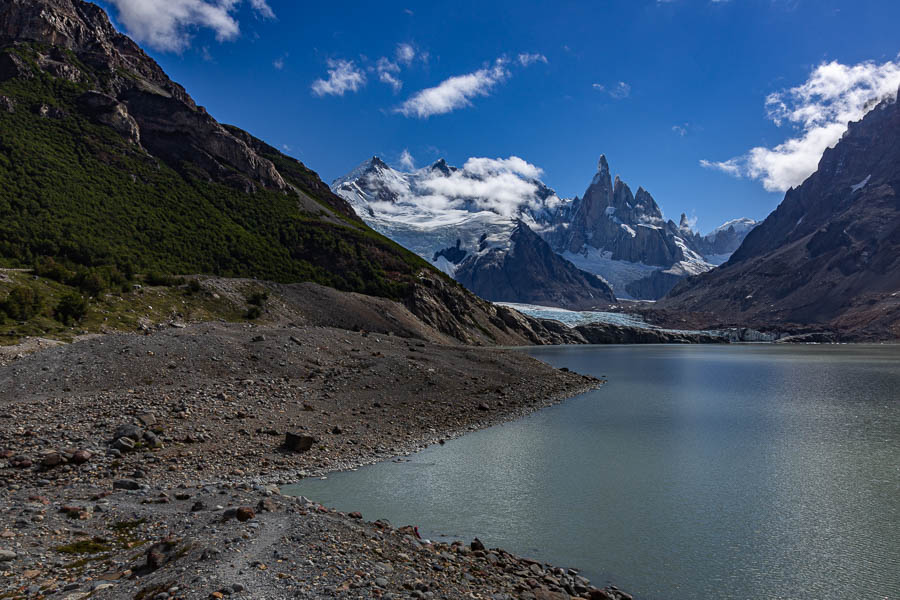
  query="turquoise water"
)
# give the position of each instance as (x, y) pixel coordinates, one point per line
(696, 472)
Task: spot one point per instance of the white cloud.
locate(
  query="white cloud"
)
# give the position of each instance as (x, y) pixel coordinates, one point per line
(406, 160)
(819, 111)
(262, 7)
(500, 185)
(731, 166)
(618, 91)
(526, 59)
(681, 130)
(167, 24)
(405, 53)
(343, 76)
(453, 93)
(387, 73)
(278, 63)
(482, 167)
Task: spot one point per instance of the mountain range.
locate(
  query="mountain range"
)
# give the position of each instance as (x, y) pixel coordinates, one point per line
(490, 214)
(829, 255)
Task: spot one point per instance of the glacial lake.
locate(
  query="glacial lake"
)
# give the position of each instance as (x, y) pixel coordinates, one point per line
(728, 472)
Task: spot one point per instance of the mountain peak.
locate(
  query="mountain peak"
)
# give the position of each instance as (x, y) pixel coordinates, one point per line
(602, 165)
(442, 166)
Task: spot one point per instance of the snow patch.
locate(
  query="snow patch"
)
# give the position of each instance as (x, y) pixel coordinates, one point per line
(860, 185)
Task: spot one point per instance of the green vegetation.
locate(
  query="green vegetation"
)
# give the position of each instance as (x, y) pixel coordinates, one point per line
(91, 546)
(88, 209)
(63, 311)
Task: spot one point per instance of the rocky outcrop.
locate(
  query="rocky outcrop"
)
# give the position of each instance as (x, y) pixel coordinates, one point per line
(528, 271)
(109, 111)
(830, 253)
(655, 285)
(623, 237)
(148, 107)
(606, 333)
(447, 307)
(630, 227)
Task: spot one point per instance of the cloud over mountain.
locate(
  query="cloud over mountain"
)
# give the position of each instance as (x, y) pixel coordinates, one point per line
(819, 111)
(167, 24)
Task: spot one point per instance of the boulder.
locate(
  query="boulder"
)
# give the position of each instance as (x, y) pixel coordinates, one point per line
(126, 484)
(130, 431)
(298, 442)
(123, 444)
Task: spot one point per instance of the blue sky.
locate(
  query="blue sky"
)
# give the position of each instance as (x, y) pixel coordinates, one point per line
(656, 86)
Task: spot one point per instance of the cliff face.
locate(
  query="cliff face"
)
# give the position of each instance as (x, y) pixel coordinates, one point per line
(630, 227)
(528, 271)
(830, 253)
(128, 89)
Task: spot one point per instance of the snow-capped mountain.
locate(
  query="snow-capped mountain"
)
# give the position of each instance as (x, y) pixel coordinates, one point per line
(476, 224)
(624, 238)
(720, 243)
(458, 217)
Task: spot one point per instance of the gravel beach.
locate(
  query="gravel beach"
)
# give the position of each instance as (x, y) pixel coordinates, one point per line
(147, 465)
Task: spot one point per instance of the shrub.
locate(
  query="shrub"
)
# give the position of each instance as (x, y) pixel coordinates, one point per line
(254, 312)
(22, 303)
(72, 307)
(157, 278)
(90, 282)
(258, 298)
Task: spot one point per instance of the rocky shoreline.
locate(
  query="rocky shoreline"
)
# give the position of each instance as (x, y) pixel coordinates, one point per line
(191, 509)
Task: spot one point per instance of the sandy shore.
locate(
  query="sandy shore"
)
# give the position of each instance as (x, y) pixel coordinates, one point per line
(208, 408)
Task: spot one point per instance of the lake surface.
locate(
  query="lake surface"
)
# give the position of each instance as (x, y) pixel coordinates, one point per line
(744, 471)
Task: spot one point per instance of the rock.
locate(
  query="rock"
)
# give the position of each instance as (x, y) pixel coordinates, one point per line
(152, 439)
(381, 582)
(162, 553)
(336, 430)
(266, 505)
(7, 555)
(298, 442)
(123, 444)
(476, 545)
(126, 484)
(355, 515)
(484, 406)
(50, 112)
(79, 457)
(244, 513)
(11, 66)
(198, 506)
(147, 419)
(130, 431)
(20, 462)
(52, 459)
(7, 104)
